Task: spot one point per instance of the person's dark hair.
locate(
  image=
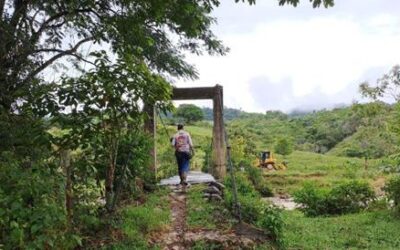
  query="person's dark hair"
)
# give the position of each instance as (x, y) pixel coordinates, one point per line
(180, 126)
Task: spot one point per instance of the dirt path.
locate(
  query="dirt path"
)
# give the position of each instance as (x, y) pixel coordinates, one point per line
(178, 212)
(174, 238)
(180, 237)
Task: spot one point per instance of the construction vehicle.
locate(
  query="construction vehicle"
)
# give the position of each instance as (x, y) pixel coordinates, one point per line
(267, 161)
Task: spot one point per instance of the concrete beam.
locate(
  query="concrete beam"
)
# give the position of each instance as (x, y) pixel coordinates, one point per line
(193, 93)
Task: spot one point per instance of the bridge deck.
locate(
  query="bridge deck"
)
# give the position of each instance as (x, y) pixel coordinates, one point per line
(194, 177)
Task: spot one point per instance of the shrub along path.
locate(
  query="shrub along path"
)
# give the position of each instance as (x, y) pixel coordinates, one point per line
(197, 224)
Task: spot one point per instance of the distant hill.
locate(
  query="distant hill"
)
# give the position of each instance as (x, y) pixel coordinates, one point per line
(358, 130)
(229, 113)
(355, 131)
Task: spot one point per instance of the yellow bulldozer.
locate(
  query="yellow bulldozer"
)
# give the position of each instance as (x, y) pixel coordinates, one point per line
(267, 161)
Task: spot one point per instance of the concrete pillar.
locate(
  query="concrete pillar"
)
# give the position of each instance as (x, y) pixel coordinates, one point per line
(150, 128)
(219, 150)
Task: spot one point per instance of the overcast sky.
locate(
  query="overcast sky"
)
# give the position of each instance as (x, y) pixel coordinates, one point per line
(285, 58)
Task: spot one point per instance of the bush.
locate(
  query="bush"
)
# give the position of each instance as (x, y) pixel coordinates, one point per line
(32, 215)
(255, 176)
(349, 197)
(253, 209)
(244, 186)
(392, 188)
(312, 199)
(272, 222)
(264, 189)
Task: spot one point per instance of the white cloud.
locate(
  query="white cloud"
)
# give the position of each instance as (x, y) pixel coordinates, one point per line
(318, 54)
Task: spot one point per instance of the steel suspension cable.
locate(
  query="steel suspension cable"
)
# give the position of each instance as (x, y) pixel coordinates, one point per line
(163, 124)
(231, 168)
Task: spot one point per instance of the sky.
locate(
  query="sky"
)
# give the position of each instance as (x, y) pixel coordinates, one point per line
(286, 58)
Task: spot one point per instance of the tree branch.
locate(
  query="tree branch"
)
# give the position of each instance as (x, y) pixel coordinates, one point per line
(56, 57)
(2, 3)
(20, 7)
(51, 19)
(61, 14)
(65, 52)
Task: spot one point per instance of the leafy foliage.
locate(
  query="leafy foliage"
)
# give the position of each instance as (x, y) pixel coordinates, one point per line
(387, 87)
(315, 3)
(393, 192)
(259, 183)
(31, 211)
(253, 209)
(35, 34)
(326, 131)
(345, 198)
(283, 146)
(368, 142)
(229, 113)
(103, 116)
(189, 113)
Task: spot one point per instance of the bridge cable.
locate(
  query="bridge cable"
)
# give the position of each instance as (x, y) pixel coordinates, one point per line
(209, 154)
(163, 124)
(237, 207)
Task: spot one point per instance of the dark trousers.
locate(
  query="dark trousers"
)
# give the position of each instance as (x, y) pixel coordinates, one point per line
(183, 160)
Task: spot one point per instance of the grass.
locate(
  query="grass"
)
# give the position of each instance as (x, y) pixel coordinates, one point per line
(199, 131)
(204, 214)
(324, 170)
(138, 221)
(366, 230)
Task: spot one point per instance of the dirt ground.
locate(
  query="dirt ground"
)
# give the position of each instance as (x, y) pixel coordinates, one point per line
(179, 236)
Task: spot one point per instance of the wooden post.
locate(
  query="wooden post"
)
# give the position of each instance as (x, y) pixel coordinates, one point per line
(219, 150)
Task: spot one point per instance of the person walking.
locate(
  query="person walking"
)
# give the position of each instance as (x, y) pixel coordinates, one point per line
(182, 142)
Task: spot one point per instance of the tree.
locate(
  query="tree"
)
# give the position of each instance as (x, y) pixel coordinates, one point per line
(190, 113)
(102, 116)
(369, 143)
(238, 146)
(284, 146)
(37, 34)
(387, 87)
(315, 3)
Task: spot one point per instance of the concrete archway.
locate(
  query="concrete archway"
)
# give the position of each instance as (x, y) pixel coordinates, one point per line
(199, 93)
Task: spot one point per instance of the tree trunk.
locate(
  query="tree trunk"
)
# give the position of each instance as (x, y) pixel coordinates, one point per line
(110, 187)
(66, 166)
(110, 176)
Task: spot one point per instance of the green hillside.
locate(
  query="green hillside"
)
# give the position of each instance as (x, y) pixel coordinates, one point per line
(330, 145)
(360, 130)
